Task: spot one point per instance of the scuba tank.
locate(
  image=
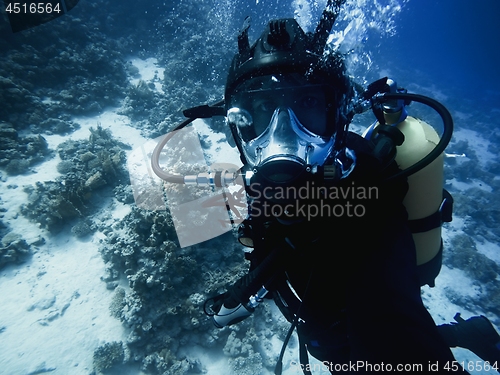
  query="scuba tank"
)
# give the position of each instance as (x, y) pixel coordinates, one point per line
(427, 204)
(425, 193)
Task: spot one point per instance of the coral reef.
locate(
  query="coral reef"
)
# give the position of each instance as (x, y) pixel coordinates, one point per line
(481, 211)
(18, 153)
(140, 100)
(193, 59)
(163, 306)
(87, 166)
(13, 249)
(46, 79)
(107, 356)
(82, 229)
(463, 254)
(479, 208)
(51, 75)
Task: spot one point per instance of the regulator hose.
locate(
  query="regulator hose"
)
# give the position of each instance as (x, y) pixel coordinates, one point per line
(203, 111)
(155, 157)
(445, 137)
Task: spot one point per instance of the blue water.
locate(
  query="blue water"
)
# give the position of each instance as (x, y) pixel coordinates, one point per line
(453, 44)
(78, 66)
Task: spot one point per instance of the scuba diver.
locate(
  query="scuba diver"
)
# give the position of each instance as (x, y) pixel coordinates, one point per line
(330, 229)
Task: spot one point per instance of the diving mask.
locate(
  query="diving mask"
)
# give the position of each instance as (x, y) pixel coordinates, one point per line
(285, 144)
(283, 129)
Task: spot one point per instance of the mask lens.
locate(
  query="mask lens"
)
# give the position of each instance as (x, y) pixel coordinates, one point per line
(242, 121)
(310, 104)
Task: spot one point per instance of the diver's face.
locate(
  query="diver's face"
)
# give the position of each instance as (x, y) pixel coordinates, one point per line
(308, 103)
(285, 122)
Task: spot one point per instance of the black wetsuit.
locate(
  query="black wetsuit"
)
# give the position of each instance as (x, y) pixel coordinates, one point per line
(355, 275)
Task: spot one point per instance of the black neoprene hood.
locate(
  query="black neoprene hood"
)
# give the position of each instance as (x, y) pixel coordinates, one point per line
(285, 48)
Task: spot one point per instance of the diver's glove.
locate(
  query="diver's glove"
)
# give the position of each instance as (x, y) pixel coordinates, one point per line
(476, 334)
(240, 301)
(237, 303)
